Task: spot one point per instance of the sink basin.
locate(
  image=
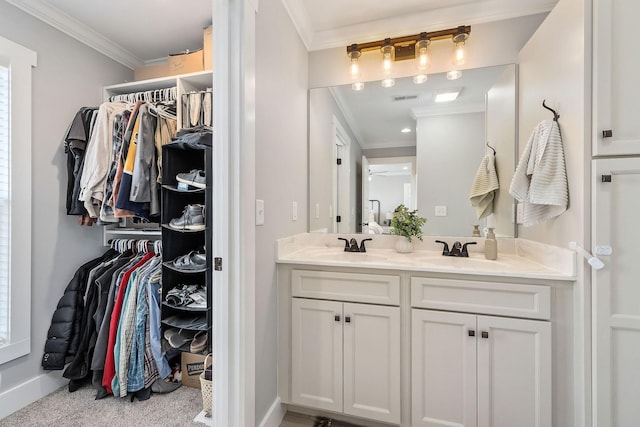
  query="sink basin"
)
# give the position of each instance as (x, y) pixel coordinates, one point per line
(339, 255)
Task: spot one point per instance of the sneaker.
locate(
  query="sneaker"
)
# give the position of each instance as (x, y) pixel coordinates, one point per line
(192, 219)
(195, 178)
(182, 295)
(198, 298)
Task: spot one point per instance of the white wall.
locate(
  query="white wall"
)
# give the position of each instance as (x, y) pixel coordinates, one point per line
(495, 43)
(449, 150)
(322, 109)
(389, 190)
(557, 68)
(281, 173)
(69, 75)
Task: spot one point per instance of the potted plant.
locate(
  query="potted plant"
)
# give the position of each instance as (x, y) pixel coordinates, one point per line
(408, 224)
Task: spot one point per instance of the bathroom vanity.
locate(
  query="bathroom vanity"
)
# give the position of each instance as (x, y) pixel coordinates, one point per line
(421, 339)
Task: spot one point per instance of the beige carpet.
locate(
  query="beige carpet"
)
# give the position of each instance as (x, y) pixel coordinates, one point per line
(62, 408)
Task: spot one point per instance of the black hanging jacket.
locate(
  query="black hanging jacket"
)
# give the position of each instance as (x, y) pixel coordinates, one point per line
(64, 333)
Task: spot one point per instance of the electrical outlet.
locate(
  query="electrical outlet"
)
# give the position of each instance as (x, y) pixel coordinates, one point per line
(294, 211)
(441, 211)
(259, 212)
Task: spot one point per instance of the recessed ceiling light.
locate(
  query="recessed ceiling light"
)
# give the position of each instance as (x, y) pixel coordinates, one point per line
(405, 130)
(446, 95)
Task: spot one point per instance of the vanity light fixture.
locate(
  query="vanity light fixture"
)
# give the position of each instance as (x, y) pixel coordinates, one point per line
(415, 46)
(357, 86)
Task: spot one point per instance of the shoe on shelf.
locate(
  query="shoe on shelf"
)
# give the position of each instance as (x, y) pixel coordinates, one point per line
(199, 342)
(198, 298)
(178, 337)
(195, 178)
(193, 262)
(181, 295)
(192, 219)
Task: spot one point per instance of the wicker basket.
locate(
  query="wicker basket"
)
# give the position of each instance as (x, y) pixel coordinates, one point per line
(206, 386)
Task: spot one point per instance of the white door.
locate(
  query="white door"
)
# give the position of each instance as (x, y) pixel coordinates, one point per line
(616, 293)
(365, 192)
(616, 68)
(443, 369)
(514, 372)
(372, 362)
(316, 359)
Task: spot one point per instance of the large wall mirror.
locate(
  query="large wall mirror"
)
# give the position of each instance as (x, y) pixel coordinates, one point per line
(373, 149)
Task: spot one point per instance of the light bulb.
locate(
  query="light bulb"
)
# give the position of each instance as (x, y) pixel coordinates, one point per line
(357, 86)
(354, 54)
(419, 79)
(388, 82)
(459, 57)
(421, 52)
(454, 74)
(387, 57)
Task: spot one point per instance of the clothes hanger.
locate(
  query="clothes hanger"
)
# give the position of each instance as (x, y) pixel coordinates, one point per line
(556, 116)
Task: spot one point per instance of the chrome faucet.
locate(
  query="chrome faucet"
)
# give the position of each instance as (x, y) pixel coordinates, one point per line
(352, 245)
(457, 249)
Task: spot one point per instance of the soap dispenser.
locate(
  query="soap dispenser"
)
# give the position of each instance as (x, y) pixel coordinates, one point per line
(491, 245)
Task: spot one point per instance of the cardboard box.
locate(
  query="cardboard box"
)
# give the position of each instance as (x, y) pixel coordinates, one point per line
(208, 47)
(151, 72)
(192, 367)
(184, 63)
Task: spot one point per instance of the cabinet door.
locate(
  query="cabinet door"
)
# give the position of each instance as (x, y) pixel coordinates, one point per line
(443, 369)
(616, 67)
(616, 294)
(316, 359)
(514, 372)
(372, 362)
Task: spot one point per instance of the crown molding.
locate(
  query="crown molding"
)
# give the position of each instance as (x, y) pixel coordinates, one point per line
(79, 31)
(301, 21)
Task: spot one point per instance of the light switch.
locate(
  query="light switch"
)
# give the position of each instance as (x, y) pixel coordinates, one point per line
(441, 211)
(259, 212)
(294, 211)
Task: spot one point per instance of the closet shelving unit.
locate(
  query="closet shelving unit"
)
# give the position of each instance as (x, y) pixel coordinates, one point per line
(175, 243)
(173, 201)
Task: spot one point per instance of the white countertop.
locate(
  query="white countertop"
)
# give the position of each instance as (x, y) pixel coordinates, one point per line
(516, 257)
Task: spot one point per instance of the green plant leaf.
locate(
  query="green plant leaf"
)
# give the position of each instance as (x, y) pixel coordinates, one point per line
(407, 223)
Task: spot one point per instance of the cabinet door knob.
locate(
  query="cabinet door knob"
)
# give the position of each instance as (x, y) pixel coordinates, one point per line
(471, 333)
(347, 319)
(336, 317)
(485, 334)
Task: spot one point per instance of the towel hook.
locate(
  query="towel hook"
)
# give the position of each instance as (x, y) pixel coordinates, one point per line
(556, 116)
(492, 149)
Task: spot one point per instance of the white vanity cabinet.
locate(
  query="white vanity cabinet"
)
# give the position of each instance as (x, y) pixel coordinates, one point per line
(470, 369)
(345, 356)
(616, 65)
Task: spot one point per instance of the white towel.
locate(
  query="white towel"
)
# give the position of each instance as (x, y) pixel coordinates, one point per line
(540, 180)
(484, 186)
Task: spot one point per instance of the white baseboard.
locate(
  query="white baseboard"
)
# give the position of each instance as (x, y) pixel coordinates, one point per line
(30, 391)
(275, 414)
